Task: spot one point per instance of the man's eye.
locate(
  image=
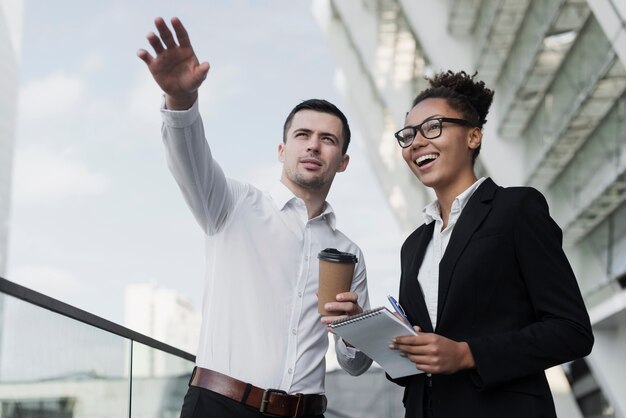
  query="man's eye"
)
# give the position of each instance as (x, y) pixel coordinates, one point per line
(328, 139)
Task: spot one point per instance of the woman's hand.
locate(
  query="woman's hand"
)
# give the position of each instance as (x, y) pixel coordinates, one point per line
(433, 353)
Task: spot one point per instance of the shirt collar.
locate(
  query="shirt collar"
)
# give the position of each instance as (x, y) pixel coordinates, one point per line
(432, 211)
(281, 194)
(283, 197)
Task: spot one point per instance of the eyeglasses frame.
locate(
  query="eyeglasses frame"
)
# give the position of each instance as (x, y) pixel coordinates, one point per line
(417, 128)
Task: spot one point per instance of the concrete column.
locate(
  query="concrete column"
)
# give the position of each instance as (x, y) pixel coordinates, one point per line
(607, 363)
(612, 17)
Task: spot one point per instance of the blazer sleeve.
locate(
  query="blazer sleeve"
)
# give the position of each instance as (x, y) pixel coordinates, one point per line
(562, 330)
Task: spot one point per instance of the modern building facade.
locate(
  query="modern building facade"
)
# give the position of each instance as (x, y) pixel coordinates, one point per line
(166, 316)
(10, 41)
(558, 123)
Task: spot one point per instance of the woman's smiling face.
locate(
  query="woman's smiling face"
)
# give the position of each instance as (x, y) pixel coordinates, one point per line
(441, 162)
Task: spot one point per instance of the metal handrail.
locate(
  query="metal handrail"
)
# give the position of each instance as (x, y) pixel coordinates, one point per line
(39, 299)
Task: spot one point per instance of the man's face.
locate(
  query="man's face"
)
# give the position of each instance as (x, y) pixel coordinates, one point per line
(311, 155)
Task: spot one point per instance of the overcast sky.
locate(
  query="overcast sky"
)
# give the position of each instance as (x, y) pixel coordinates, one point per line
(94, 207)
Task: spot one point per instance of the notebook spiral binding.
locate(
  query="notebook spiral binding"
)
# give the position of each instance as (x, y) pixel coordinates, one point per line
(357, 317)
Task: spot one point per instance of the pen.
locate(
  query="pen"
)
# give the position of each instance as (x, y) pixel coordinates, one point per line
(398, 308)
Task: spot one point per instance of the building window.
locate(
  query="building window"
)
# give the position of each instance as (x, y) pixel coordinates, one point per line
(37, 408)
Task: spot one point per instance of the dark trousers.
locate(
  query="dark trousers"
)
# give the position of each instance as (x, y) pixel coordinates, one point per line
(203, 403)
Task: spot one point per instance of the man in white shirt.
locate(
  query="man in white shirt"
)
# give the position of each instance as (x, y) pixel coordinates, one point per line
(262, 343)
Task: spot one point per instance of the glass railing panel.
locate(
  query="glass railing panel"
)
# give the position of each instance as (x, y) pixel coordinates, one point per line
(159, 382)
(55, 366)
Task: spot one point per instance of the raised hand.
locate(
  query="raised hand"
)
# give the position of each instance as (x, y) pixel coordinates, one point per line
(175, 68)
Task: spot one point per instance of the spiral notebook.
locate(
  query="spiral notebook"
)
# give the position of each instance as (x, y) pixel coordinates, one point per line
(371, 332)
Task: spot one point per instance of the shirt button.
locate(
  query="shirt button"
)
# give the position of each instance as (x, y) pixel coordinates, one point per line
(294, 331)
(300, 294)
(290, 371)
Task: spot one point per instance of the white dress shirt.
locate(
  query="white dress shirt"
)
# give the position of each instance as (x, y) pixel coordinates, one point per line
(260, 321)
(428, 275)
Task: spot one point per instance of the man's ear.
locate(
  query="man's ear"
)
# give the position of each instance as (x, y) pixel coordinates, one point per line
(281, 153)
(475, 138)
(345, 159)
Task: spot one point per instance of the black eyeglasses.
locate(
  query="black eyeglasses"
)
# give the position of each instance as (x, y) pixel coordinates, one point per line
(429, 129)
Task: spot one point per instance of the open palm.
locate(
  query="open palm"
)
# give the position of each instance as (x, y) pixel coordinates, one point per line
(175, 68)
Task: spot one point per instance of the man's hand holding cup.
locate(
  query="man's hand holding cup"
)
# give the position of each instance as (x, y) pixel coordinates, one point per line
(346, 304)
(335, 300)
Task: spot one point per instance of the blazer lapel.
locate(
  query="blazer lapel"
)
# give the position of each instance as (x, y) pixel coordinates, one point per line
(472, 216)
(414, 305)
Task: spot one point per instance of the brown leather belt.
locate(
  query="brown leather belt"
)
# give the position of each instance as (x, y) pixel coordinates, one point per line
(270, 402)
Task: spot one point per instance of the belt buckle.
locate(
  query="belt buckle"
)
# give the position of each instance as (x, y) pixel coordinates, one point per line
(265, 399)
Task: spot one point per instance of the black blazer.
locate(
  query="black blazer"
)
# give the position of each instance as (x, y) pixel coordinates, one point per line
(507, 289)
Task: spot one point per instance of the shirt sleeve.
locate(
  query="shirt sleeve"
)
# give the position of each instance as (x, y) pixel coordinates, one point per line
(350, 359)
(199, 177)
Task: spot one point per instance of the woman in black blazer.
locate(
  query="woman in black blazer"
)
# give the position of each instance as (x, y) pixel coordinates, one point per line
(484, 280)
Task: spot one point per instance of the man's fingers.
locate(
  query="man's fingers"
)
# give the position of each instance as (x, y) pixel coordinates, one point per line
(336, 306)
(155, 42)
(165, 33)
(349, 308)
(347, 297)
(331, 318)
(181, 32)
(145, 56)
(202, 70)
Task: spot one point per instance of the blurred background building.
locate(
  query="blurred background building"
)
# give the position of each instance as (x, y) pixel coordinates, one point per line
(164, 315)
(10, 39)
(558, 123)
(10, 32)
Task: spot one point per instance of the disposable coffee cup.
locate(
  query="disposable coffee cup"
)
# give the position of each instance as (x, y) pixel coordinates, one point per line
(336, 271)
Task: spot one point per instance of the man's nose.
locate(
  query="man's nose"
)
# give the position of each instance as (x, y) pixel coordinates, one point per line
(314, 143)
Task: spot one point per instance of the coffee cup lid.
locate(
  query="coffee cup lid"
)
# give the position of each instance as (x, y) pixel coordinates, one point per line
(334, 255)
